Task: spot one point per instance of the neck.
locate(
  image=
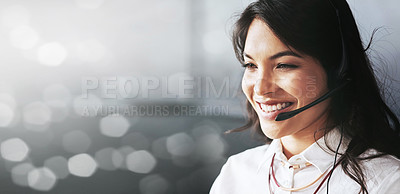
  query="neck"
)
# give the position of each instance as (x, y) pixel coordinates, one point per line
(296, 143)
(293, 145)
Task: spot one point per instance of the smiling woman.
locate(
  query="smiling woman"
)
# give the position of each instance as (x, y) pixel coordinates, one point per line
(276, 83)
(305, 59)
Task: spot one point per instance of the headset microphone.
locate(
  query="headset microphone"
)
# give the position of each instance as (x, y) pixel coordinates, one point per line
(341, 77)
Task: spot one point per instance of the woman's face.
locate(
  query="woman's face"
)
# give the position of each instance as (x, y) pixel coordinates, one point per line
(279, 79)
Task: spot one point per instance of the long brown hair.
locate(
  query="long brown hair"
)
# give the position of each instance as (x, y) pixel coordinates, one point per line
(358, 110)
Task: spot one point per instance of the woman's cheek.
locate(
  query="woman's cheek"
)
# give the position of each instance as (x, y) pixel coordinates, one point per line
(313, 87)
(293, 85)
(247, 86)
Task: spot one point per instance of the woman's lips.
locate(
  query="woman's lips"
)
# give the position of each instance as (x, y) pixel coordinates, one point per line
(267, 111)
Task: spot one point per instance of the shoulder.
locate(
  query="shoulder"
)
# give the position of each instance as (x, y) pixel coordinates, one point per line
(250, 157)
(382, 173)
(382, 164)
(252, 153)
(246, 162)
(240, 173)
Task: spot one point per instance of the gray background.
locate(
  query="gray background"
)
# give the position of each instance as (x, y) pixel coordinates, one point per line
(49, 47)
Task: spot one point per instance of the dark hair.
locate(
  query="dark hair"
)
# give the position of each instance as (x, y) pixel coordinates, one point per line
(312, 28)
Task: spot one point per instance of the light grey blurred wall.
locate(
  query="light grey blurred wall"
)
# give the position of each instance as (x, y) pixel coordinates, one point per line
(143, 38)
(49, 47)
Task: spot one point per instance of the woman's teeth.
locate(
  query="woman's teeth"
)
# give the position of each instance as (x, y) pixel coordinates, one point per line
(275, 107)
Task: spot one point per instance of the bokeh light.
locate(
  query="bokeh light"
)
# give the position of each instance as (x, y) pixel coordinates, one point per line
(76, 141)
(59, 110)
(41, 179)
(153, 184)
(119, 157)
(8, 99)
(105, 159)
(159, 148)
(14, 149)
(23, 37)
(19, 173)
(180, 144)
(205, 127)
(114, 125)
(58, 98)
(82, 165)
(52, 54)
(36, 116)
(140, 162)
(210, 148)
(7, 109)
(58, 165)
(6, 115)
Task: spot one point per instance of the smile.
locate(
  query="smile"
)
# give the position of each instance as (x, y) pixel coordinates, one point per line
(270, 110)
(274, 107)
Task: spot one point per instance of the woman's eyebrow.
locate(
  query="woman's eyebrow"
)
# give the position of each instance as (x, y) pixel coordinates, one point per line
(277, 55)
(284, 53)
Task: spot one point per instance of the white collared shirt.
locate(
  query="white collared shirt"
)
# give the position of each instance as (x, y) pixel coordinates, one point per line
(247, 172)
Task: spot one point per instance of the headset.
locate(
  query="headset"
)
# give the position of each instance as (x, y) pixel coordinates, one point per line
(341, 77)
(342, 81)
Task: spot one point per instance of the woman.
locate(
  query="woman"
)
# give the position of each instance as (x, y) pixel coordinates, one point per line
(294, 52)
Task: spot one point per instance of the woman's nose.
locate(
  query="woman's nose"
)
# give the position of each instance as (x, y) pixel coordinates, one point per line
(264, 86)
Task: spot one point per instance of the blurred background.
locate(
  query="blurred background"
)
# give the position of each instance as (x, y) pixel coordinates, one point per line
(128, 96)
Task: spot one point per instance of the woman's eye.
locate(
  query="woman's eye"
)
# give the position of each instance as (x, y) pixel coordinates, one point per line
(286, 66)
(249, 66)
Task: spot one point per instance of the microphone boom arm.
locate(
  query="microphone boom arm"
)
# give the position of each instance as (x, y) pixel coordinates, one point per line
(290, 114)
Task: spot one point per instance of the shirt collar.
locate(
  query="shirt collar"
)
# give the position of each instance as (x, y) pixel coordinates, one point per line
(273, 146)
(318, 153)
